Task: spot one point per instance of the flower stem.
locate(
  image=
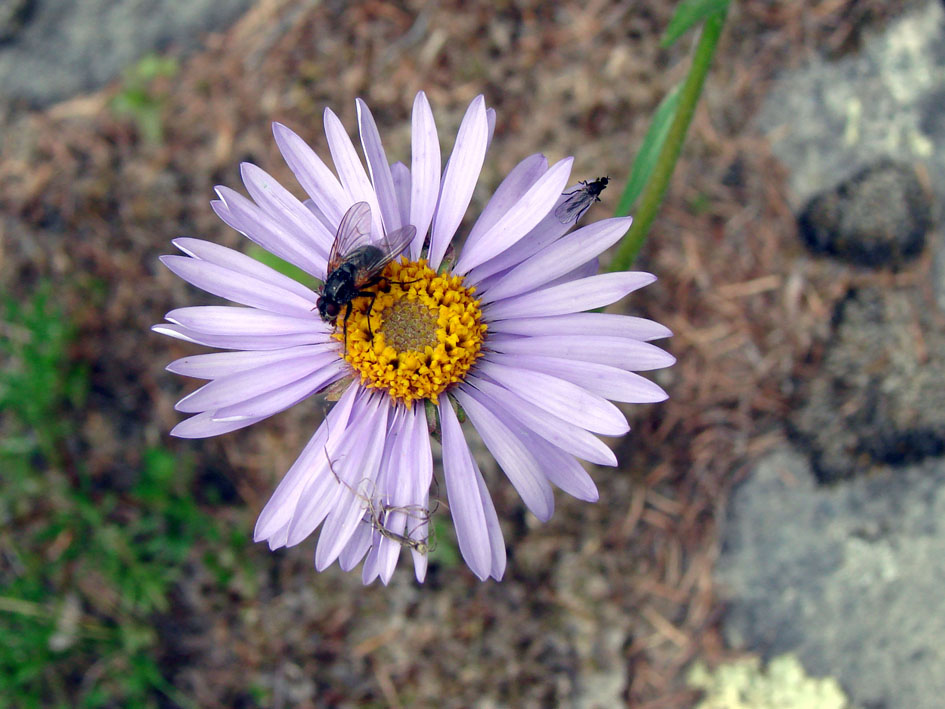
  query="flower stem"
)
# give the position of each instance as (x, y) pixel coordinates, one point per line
(659, 181)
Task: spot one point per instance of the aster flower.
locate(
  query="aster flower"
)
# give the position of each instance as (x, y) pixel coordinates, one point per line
(500, 333)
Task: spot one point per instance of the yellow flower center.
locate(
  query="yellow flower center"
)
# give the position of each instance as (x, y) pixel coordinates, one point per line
(428, 332)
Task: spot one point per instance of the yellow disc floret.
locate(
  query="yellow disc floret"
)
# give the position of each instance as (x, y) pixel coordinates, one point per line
(428, 332)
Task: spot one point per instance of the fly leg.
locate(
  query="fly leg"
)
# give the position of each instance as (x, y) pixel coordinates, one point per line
(373, 296)
(402, 283)
(344, 326)
(386, 283)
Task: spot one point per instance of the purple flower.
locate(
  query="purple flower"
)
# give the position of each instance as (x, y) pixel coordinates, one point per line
(500, 333)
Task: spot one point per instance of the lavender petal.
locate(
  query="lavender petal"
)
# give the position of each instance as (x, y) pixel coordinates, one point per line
(356, 548)
(559, 259)
(252, 222)
(220, 364)
(230, 320)
(421, 457)
(283, 206)
(606, 381)
(241, 342)
(280, 508)
(237, 287)
(576, 296)
(518, 221)
(330, 485)
(547, 232)
(348, 513)
(512, 455)
(520, 179)
(400, 173)
(425, 169)
(379, 168)
(561, 468)
(203, 426)
(565, 435)
(459, 181)
(584, 324)
(558, 397)
(245, 385)
(280, 399)
(465, 498)
(241, 263)
(318, 181)
(349, 168)
(614, 351)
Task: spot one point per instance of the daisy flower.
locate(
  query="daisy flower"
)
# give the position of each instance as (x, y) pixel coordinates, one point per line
(496, 335)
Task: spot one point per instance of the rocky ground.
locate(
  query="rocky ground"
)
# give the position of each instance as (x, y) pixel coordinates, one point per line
(787, 499)
(833, 548)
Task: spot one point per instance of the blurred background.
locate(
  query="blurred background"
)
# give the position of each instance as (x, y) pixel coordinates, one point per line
(777, 526)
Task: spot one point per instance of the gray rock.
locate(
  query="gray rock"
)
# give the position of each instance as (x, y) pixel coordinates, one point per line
(53, 50)
(13, 15)
(879, 395)
(879, 217)
(833, 119)
(848, 577)
(938, 271)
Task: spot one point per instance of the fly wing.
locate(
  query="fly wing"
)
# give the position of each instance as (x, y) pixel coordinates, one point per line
(571, 209)
(354, 232)
(393, 244)
(373, 258)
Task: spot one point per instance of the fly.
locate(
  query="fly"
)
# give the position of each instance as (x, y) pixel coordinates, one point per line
(580, 199)
(355, 264)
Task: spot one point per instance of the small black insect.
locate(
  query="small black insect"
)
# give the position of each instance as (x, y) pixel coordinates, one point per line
(580, 199)
(355, 263)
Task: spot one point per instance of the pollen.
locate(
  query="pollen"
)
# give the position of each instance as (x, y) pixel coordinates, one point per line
(427, 332)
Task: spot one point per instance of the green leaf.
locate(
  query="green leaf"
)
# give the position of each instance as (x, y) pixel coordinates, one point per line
(152, 66)
(649, 151)
(283, 267)
(689, 13)
(445, 551)
(658, 183)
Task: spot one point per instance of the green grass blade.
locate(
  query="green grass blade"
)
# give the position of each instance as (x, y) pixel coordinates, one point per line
(283, 267)
(649, 151)
(658, 183)
(688, 14)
